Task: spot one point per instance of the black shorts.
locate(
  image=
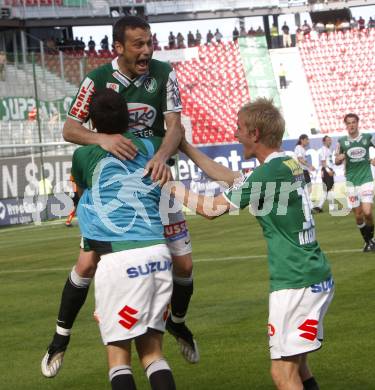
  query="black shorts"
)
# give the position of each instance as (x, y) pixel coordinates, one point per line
(306, 175)
(327, 179)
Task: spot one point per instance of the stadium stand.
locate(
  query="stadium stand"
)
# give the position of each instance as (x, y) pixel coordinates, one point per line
(213, 88)
(340, 69)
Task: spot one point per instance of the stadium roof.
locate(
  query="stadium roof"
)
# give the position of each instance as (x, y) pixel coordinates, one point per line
(99, 12)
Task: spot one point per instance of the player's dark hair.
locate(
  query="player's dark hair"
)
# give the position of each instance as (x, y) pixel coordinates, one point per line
(325, 138)
(351, 115)
(301, 138)
(128, 22)
(109, 112)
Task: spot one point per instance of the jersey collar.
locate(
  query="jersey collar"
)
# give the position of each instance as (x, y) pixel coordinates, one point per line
(125, 80)
(355, 139)
(274, 155)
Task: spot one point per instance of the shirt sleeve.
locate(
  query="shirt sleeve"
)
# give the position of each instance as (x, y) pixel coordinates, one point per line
(299, 151)
(372, 140)
(79, 109)
(171, 94)
(77, 169)
(244, 191)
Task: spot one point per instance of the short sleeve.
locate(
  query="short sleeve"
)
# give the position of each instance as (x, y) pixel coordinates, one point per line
(79, 109)
(171, 94)
(244, 191)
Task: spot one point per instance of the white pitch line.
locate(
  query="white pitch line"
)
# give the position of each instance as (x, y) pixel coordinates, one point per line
(204, 260)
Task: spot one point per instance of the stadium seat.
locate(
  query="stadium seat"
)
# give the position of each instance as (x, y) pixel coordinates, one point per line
(340, 72)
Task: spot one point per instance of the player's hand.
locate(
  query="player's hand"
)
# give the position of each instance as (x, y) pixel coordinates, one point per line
(119, 146)
(373, 161)
(330, 172)
(159, 170)
(312, 168)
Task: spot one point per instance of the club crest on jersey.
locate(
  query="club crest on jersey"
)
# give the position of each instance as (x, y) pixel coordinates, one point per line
(113, 86)
(150, 85)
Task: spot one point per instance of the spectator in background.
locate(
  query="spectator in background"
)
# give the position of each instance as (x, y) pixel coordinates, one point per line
(287, 41)
(353, 24)
(259, 31)
(235, 34)
(198, 38)
(306, 28)
(51, 45)
(190, 39)
(91, 44)
(361, 23)
(218, 36)
(3, 61)
(209, 37)
(81, 44)
(320, 28)
(171, 41)
(371, 23)
(274, 37)
(282, 77)
(180, 41)
(299, 34)
(155, 42)
(104, 43)
(251, 32)
(243, 32)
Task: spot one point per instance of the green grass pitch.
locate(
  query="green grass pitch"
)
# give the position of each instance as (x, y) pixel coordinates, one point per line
(228, 312)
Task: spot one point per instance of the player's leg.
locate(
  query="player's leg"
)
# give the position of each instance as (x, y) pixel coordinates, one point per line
(149, 347)
(119, 363)
(72, 299)
(369, 225)
(285, 373)
(179, 243)
(71, 215)
(307, 378)
(366, 195)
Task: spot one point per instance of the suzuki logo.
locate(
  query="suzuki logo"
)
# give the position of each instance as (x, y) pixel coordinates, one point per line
(128, 320)
(310, 329)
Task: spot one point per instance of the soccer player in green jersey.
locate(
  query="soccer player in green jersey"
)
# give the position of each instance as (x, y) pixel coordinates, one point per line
(151, 90)
(354, 149)
(301, 283)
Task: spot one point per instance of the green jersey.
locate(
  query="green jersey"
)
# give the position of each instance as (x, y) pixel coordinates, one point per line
(277, 196)
(149, 96)
(357, 162)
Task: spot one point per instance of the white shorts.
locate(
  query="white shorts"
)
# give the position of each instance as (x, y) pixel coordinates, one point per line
(177, 235)
(295, 323)
(132, 292)
(360, 194)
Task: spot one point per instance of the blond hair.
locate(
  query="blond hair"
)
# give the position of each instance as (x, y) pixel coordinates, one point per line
(264, 116)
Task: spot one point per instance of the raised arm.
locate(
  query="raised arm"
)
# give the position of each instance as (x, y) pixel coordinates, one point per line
(211, 168)
(209, 207)
(339, 157)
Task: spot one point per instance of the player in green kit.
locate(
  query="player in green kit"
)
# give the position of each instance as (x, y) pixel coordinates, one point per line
(354, 149)
(151, 90)
(301, 282)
